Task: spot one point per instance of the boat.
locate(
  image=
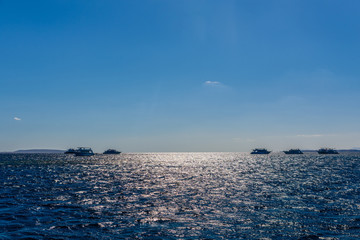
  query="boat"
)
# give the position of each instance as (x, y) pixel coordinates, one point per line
(260, 151)
(327, 151)
(294, 151)
(111, 151)
(70, 151)
(83, 151)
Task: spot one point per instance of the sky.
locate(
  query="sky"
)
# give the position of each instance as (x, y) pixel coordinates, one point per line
(174, 76)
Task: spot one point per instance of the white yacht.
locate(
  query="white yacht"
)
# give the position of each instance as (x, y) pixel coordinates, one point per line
(327, 151)
(83, 151)
(294, 151)
(260, 151)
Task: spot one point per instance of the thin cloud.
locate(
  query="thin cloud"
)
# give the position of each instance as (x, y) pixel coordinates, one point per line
(213, 83)
(17, 119)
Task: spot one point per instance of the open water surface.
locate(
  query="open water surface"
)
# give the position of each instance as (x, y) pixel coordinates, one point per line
(180, 196)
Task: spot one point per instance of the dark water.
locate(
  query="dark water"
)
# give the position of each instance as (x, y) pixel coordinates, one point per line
(179, 196)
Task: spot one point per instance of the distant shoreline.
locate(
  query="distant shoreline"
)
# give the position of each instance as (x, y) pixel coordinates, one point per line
(37, 151)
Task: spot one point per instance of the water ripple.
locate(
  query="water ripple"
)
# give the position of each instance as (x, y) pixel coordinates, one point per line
(179, 196)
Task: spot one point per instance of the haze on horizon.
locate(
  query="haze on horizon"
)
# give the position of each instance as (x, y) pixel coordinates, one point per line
(151, 76)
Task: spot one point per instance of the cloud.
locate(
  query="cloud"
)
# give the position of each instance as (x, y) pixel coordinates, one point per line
(17, 119)
(213, 83)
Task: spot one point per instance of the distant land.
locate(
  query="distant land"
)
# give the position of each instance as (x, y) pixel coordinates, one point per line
(339, 150)
(348, 150)
(40, 151)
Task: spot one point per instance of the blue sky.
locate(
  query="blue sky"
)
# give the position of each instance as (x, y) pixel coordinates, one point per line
(179, 75)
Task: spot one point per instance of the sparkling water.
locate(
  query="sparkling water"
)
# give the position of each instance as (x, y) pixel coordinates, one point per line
(180, 196)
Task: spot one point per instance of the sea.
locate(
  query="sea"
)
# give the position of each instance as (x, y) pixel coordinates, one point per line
(180, 196)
